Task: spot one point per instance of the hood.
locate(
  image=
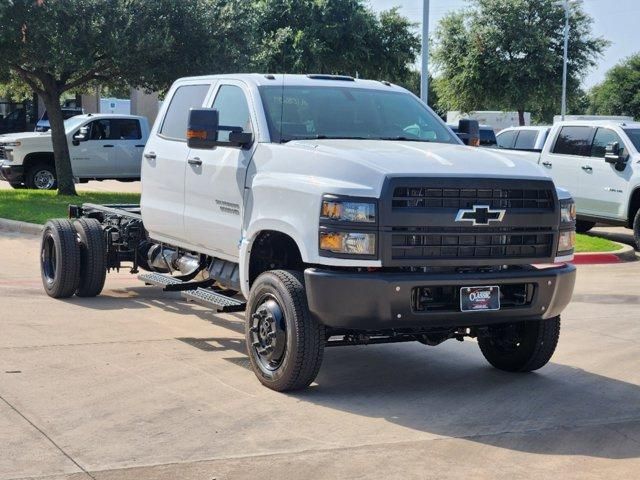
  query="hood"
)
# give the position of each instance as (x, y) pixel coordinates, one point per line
(12, 137)
(401, 158)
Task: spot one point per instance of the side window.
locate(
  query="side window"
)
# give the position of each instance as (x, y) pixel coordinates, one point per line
(574, 141)
(604, 137)
(185, 98)
(125, 129)
(100, 129)
(526, 140)
(233, 109)
(507, 139)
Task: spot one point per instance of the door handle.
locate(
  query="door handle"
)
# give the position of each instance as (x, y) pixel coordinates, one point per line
(587, 168)
(547, 164)
(139, 146)
(150, 156)
(195, 161)
(108, 146)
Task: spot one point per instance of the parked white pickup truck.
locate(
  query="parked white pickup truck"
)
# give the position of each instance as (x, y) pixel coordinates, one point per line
(598, 161)
(345, 212)
(101, 146)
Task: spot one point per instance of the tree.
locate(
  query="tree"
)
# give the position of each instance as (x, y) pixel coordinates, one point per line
(337, 36)
(57, 46)
(619, 94)
(507, 54)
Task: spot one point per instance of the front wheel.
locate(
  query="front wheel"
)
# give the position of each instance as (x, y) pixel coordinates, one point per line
(41, 176)
(520, 346)
(285, 343)
(583, 226)
(636, 229)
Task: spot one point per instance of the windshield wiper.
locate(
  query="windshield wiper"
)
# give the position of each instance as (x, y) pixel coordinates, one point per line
(326, 137)
(404, 139)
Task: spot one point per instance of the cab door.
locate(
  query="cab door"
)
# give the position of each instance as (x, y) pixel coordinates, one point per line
(93, 158)
(566, 159)
(215, 178)
(128, 147)
(604, 187)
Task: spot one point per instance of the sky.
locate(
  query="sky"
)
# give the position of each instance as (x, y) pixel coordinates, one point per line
(616, 20)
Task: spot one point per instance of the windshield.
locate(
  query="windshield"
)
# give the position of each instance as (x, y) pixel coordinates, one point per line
(634, 136)
(72, 123)
(350, 113)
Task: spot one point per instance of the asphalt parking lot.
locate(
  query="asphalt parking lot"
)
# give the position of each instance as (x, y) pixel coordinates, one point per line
(137, 384)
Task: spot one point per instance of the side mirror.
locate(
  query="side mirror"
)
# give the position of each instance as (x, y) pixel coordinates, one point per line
(469, 132)
(81, 135)
(204, 131)
(614, 156)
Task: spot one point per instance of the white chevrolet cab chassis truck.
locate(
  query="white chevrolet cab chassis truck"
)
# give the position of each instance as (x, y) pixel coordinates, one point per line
(333, 211)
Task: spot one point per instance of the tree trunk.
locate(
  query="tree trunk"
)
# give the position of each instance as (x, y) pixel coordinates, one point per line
(521, 117)
(64, 173)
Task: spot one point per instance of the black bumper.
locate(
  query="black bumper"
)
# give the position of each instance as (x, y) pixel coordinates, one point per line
(12, 173)
(380, 301)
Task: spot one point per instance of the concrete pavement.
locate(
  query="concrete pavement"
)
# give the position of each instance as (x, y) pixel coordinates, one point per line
(137, 384)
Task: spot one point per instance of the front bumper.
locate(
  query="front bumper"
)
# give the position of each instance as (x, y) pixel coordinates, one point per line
(381, 300)
(12, 173)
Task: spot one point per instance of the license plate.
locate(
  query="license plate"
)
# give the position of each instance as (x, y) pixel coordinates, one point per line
(479, 299)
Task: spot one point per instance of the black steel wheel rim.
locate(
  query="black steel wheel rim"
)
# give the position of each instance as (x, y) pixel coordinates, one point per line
(268, 333)
(48, 259)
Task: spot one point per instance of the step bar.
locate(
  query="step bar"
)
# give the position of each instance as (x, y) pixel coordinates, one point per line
(203, 296)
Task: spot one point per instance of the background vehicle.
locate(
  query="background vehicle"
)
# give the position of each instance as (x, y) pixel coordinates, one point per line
(487, 135)
(67, 112)
(530, 139)
(15, 121)
(101, 146)
(345, 212)
(598, 161)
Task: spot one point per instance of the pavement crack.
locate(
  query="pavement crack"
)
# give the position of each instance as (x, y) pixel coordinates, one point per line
(42, 432)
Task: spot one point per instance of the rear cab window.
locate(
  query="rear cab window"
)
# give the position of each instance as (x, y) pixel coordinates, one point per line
(574, 141)
(186, 97)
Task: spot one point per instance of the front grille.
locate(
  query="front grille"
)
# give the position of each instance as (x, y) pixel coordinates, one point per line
(3, 155)
(430, 197)
(426, 243)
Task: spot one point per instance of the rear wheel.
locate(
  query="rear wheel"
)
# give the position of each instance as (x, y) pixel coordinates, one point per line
(60, 259)
(285, 343)
(521, 346)
(93, 254)
(583, 226)
(41, 176)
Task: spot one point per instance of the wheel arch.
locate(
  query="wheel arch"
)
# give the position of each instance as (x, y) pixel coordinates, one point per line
(38, 157)
(634, 205)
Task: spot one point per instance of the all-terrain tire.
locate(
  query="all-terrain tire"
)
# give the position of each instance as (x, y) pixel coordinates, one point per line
(583, 226)
(60, 259)
(636, 229)
(93, 257)
(304, 337)
(41, 176)
(521, 346)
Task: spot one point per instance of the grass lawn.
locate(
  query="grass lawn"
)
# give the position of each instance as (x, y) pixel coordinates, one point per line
(35, 206)
(587, 243)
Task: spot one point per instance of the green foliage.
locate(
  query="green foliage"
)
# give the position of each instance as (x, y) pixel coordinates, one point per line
(507, 55)
(337, 36)
(619, 94)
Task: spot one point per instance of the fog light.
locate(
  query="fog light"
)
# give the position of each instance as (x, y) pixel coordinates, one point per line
(350, 243)
(566, 241)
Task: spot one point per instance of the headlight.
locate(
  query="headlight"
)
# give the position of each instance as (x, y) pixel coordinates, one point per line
(567, 211)
(12, 144)
(566, 241)
(349, 243)
(348, 211)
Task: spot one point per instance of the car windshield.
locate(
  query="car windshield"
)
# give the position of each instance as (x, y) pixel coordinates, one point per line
(300, 112)
(634, 136)
(72, 123)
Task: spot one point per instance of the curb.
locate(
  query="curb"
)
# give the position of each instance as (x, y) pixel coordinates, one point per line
(20, 227)
(626, 254)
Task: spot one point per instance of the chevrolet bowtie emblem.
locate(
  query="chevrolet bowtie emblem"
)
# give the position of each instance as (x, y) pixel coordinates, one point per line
(480, 215)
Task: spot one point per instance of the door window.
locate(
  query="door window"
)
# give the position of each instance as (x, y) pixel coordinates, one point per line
(174, 125)
(526, 140)
(115, 129)
(604, 137)
(507, 139)
(233, 109)
(574, 141)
